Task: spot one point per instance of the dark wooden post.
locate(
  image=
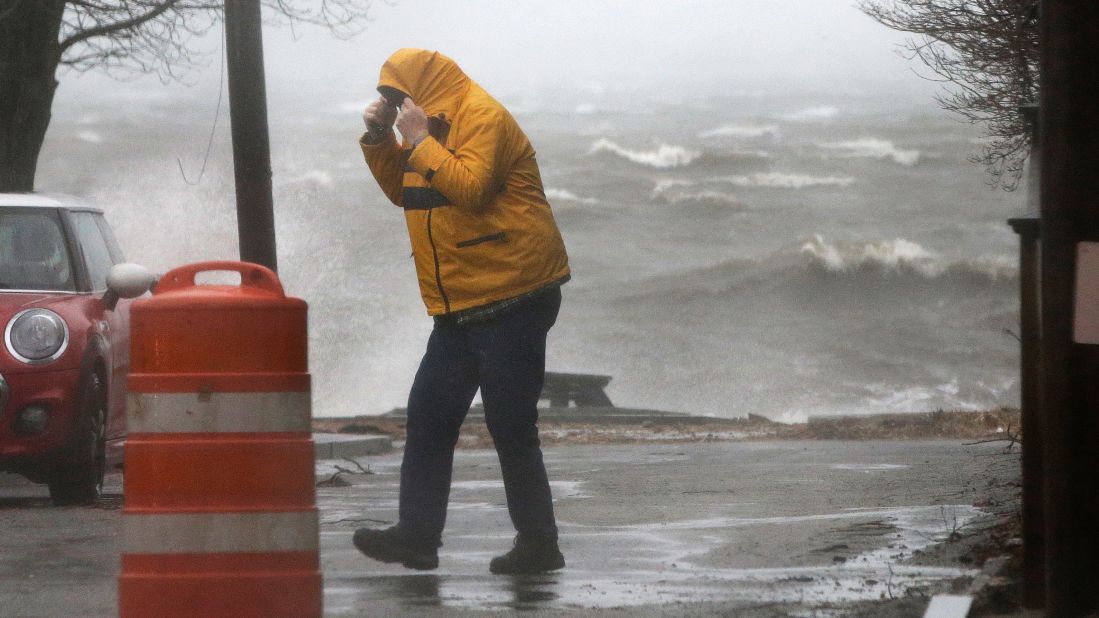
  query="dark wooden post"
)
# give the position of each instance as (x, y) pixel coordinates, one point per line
(1033, 441)
(1028, 227)
(251, 144)
(1069, 123)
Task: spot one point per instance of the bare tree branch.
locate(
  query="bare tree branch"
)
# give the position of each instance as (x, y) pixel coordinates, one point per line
(158, 37)
(126, 24)
(985, 52)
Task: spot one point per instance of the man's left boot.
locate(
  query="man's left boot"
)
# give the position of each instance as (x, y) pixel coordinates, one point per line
(531, 554)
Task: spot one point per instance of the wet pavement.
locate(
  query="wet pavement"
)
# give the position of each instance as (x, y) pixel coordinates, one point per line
(646, 529)
(654, 528)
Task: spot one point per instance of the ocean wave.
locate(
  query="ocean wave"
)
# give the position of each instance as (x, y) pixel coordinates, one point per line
(818, 112)
(900, 256)
(664, 156)
(671, 183)
(569, 196)
(781, 180)
(873, 148)
(716, 198)
(866, 275)
(677, 191)
(742, 131)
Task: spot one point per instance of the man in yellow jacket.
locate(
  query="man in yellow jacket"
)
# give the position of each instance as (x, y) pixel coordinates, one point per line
(490, 263)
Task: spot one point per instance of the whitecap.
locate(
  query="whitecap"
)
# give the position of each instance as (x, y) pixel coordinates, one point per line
(890, 254)
(742, 131)
(569, 196)
(786, 181)
(673, 191)
(873, 148)
(902, 255)
(703, 197)
(670, 183)
(663, 156)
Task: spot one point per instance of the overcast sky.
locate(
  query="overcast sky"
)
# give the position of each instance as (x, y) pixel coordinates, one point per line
(715, 46)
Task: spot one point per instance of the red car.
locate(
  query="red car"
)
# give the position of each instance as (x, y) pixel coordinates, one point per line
(66, 346)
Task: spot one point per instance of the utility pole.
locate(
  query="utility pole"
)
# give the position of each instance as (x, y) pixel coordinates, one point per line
(1069, 116)
(251, 143)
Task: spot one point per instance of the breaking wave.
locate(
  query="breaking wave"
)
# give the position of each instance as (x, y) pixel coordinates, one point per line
(568, 196)
(873, 148)
(895, 271)
(664, 156)
(779, 180)
(900, 256)
(742, 131)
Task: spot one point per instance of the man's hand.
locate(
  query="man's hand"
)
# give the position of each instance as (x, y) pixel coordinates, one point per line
(412, 122)
(379, 117)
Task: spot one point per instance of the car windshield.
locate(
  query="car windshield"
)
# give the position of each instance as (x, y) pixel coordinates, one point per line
(33, 252)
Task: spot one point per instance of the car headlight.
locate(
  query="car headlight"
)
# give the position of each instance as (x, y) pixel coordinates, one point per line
(36, 336)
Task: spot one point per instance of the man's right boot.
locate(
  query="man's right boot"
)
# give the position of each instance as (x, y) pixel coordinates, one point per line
(393, 545)
(529, 555)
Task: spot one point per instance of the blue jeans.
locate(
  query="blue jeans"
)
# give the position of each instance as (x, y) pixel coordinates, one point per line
(506, 358)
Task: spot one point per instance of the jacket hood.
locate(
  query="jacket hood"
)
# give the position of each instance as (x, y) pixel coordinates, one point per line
(434, 82)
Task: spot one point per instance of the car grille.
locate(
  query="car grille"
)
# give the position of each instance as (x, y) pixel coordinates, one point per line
(4, 392)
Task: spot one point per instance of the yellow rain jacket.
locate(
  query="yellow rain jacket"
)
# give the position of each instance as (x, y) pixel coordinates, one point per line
(480, 225)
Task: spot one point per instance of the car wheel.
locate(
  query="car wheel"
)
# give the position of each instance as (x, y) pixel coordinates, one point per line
(79, 477)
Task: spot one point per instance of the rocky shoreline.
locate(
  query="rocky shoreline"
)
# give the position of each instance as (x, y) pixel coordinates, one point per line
(565, 426)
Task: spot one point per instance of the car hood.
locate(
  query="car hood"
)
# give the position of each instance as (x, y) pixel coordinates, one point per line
(14, 302)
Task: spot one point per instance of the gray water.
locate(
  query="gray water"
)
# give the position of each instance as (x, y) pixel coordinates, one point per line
(778, 255)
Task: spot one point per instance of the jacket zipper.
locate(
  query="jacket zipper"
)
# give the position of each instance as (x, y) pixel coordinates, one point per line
(435, 254)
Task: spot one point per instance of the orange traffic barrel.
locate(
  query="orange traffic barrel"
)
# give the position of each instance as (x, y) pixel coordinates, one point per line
(219, 515)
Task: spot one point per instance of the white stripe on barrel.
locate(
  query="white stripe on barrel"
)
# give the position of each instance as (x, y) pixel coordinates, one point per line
(218, 412)
(189, 533)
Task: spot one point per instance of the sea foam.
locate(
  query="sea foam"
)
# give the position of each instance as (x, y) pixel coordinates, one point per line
(568, 196)
(781, 180)
(873, 148)
(899, 256)
(664, 156)
(742, 131)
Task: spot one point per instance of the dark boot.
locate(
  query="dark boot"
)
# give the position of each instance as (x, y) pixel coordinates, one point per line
(392, 545)
(529, 555)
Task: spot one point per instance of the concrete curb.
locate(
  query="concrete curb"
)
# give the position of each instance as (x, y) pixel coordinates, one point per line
(345, 446)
